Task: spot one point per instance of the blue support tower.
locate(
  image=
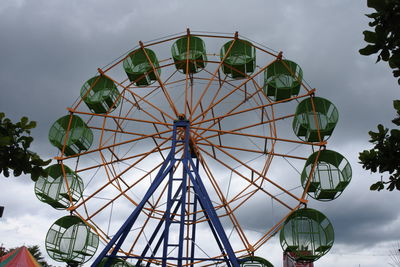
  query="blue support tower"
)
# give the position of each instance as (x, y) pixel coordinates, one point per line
(176, 211)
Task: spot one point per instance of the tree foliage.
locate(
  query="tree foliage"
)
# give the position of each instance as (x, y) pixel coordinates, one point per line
(3, 250)
(384, 157)
(37, 254)
(15, 155)
(385, 39)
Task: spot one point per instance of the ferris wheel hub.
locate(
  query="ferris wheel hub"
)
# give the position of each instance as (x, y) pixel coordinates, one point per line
(182, 116)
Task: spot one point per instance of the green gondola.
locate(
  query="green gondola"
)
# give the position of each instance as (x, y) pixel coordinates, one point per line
(197, 54)
(240, 60)
(138, 68)
(115, 263)
(306, 235)
(70, 240)
(80, 137)
(311, 126)
(282, 80)
(254, 261)
(100, 94)
(53, 189)
(331, 175)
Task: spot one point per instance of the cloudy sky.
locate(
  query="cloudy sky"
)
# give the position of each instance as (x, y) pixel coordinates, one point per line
(49, 48)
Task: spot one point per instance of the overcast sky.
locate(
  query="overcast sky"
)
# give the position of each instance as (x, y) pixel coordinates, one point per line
(48, 48)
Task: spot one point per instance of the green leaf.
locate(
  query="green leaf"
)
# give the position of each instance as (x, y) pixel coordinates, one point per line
(394, 61)
(380, 33)
(395, 136)
(5, 140)
(396, 105)
(385, 54)
(35, 176)
(376, 4)
(381, 186)
(6, 172)
(17, 172)
(369, 50)
(25, 141)
(396, 121)
(392, 65)
(31, 125)
(15, 155)
(370, 37)
(376, 186)
(24, 121)
(373, 23)
(391, 186)
(382, 130)
(372, 15)
(45, 163)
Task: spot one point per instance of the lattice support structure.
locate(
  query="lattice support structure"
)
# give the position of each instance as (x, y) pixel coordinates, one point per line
(177, 203)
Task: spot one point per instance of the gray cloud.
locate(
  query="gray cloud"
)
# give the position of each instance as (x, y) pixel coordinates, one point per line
(48, 49)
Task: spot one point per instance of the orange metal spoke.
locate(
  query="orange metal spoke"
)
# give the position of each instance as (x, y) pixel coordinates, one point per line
(218, 120)
(236, 88)
(146, 112)
(211, 80)
(273, 230)
(120, 160)
(237, 130)
(187, 71)
(93, 214)
(162, 41)
(311, 176)
(121, 60)
(245, 198)
(224, 201)
(158, 135)
(164, 89)
(110, 146)
(214, 36)
(252, 150)
(127, 189)
(253, 170)
(259, 174)
(293, 74)
(116, 117)
(257, 136)
(220, 85)
(246, 110)
(245, 178)
(123, 172)
(147, 219)
(266, 51)
(94, 227)
(139, 97)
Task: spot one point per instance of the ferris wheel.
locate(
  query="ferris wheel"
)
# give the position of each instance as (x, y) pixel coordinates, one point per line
(179, 154)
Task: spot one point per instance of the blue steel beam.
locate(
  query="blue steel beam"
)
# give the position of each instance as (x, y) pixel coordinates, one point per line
(205, 200)
(124, 230)
(201, 196)
(159, 225)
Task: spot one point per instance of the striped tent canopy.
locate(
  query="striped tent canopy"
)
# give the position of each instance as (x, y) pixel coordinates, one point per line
(19, 257)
